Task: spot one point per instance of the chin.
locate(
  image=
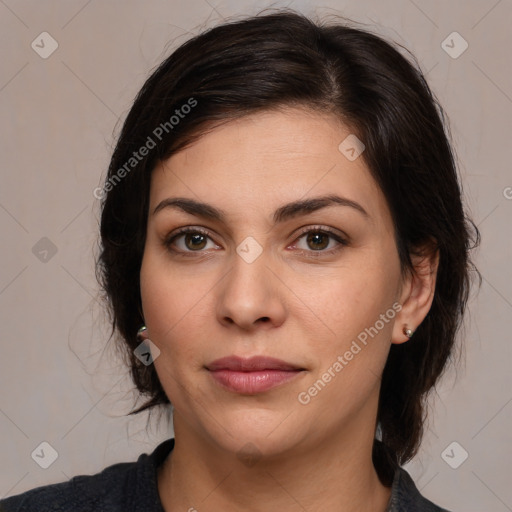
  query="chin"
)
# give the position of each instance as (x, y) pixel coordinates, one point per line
(263, 431)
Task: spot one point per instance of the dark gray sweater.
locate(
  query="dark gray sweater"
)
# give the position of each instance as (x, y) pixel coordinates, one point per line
(132, 487)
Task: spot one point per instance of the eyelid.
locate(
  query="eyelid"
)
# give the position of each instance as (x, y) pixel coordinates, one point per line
(324, 229)
(341, 238)
(169, 239)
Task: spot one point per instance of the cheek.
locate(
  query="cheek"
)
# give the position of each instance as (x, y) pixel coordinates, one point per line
(161, 310)
(168, 313)
(347, 302)
(356, 314)
(349, 362)
(166, 295)
(173, 303)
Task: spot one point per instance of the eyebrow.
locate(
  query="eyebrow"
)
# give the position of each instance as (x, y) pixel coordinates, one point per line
(283, 213)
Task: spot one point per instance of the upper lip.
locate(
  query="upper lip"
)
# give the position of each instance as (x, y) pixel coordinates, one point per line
(255, 363)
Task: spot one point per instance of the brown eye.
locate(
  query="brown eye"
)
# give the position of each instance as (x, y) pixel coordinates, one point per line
(195, 241)
(318, 240)
(188, 240)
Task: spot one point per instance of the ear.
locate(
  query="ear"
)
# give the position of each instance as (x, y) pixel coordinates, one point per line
(417, 291)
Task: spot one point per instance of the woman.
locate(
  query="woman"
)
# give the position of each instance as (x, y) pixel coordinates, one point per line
(286, 258)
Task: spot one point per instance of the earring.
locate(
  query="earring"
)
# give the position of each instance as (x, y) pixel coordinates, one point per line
(408, 332)
(141, 333)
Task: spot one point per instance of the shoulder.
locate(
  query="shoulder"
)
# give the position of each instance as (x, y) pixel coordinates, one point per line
(406, 497)
(121, 487)
(78, 494)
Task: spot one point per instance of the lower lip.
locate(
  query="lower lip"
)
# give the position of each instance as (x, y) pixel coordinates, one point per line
(253, 382)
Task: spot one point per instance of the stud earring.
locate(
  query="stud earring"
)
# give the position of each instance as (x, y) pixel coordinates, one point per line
(408, 332)
(141, 333)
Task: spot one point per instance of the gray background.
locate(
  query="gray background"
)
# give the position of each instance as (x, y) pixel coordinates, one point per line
(61, 382)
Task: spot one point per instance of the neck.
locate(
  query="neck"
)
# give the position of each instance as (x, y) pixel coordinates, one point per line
(332, 475)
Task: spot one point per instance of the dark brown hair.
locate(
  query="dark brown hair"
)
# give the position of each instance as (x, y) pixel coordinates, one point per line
(282, 59)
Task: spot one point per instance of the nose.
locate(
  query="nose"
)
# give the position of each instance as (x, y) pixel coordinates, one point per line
(251, 296)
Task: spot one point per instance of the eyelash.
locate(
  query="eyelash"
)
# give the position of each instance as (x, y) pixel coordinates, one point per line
(308, 253)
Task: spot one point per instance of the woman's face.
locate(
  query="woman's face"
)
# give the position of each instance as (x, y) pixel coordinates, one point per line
(269, 269)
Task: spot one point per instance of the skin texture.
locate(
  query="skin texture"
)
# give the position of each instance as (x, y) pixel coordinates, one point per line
(297, 301)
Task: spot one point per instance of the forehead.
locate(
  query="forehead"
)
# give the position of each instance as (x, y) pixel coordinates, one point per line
(268, 158)
(293, 135)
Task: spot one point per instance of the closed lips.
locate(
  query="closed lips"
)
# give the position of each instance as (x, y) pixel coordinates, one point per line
(252, 364)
